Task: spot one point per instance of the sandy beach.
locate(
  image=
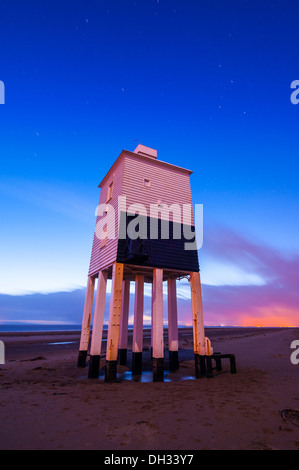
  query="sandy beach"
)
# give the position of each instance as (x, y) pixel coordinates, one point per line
(49, 403)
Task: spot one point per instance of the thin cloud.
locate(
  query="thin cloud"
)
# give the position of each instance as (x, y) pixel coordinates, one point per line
(273, 303)
(50, 196)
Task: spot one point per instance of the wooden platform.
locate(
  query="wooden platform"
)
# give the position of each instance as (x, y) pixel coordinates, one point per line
(130, 272)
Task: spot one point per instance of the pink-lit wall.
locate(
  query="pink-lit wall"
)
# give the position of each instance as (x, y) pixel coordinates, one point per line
(168, 185)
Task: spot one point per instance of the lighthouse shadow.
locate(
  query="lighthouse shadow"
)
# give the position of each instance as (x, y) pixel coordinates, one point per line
(184, 372)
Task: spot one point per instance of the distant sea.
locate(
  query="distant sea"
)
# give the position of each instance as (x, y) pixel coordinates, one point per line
(25, 327)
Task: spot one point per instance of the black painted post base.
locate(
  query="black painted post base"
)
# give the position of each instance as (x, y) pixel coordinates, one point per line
(136, 363)
(82, 359)
(94, 367)
(122, 357)
(173, 360)
(200, 365)
(110, 371)
(209, 367)
(233, 367)
(158, 369)
(217, 358)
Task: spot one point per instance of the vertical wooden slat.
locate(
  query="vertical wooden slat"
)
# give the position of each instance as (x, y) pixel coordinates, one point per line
(123, 332)
(114, 322)
(173, 339)
(172, 316)
(158, 342)
(97, 327)
(99, 310)
(138, 326)
(85, 329)
(138, 314)
(198, 325)
(197, 314)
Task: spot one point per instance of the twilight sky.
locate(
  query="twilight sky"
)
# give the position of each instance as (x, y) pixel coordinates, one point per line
(207, 84)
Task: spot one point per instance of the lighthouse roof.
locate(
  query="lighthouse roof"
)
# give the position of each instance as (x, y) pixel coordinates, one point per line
(144, 154)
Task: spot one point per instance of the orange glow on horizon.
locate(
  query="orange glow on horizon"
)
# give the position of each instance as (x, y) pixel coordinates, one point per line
(271, 317)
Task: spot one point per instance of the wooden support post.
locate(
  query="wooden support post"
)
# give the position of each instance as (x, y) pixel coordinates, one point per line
(157, 326)
(173, 338)
(138, 326)
(198, 325)
(233, 367)
(124, 318)
(114, 323)
(209, 367)
(152, 321)
(217, 357)
(85, 329)
(97, 327)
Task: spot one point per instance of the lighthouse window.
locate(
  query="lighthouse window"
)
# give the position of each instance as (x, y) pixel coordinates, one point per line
(110, 191)
(147, 183)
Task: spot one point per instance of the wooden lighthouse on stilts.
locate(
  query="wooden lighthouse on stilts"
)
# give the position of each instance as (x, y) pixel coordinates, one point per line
(144, 234)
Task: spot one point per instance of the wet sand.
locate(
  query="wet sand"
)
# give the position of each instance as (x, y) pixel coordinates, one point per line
(46, 402)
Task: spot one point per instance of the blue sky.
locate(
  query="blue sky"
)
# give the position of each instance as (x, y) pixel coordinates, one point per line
(207, 84)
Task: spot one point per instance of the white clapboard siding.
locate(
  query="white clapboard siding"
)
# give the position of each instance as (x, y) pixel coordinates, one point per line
(167, 184)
